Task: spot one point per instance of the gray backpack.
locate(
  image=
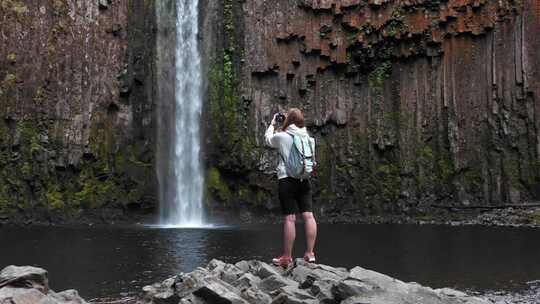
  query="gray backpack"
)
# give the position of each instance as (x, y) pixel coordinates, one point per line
(301, 162)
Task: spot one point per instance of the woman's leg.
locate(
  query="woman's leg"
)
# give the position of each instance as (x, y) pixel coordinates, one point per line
(310, 225)
(289, 234)
(289, 209)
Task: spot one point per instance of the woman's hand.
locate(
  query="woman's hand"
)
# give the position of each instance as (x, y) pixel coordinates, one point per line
(273, 123)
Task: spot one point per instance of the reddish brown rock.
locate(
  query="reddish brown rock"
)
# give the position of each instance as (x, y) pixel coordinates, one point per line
(413, 103)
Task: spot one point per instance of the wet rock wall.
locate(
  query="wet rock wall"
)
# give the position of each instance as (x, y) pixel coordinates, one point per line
(76, 114)
(413, 103)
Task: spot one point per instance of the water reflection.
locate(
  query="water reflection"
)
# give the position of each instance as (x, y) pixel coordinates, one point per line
(106, 261)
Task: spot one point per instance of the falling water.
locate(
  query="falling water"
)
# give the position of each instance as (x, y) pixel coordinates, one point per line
(180, 174)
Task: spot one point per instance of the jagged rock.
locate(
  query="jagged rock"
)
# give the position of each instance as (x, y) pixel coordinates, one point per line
(258, 268)
(70, 296)
(247, 280)
(291, 294)
(348, 288)
(284, 298)
(322, 289)
(12, 295)
(275, 282)
(30, 285)
(303, 284)
(25, 276)
(213, 292)
(317, 271)
(227, 272)
(255, 295)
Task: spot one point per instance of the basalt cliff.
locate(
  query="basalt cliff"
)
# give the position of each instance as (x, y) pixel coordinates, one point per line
(413, 104)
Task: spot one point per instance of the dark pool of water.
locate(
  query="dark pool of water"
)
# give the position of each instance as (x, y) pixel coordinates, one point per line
(103, 262)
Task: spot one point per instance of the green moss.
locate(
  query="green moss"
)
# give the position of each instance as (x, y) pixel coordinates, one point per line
(97, 181)
(228, 15)
(511, 169)
(234, 145)
(435, 171)
(4, 195)
(11, 57)
(16, 6)
(60, 7)
(39, 96)
(380, 74)
(20, 8)
(95, 193)
(395, 24)
(9, 80)
(445, 168)
(473, 179)
(217, 186)
(534, 217)
(389, 181)
(54, 198)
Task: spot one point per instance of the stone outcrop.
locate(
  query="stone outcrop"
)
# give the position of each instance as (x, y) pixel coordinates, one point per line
(29, 285)
(76, 110)
(413, 103)
(258, 282)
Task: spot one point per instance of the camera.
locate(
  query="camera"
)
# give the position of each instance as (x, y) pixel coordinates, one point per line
(280, 118)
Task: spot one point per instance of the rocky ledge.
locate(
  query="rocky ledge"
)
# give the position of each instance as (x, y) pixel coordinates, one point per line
(258, 282)
(30, 285)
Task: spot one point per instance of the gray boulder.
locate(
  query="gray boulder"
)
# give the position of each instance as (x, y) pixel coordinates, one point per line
(25, 276)
(255, 295)
(275, 282)
(14, 295)
(30, 285)
(258, 282)
(247, 280)
(214, 292)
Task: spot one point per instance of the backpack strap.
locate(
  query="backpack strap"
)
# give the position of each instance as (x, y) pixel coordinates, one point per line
(283, 158)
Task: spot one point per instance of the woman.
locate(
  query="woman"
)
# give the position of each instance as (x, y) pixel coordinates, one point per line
(294, 194)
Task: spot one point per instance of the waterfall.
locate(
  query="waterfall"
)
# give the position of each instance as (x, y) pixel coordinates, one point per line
(179, 111)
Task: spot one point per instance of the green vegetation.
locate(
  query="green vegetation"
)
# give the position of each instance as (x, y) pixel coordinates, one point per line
(9, 80)
(16, 6)
(11, 57)
(377, 77)
(30, 176)
(217, 186)
(512, 173)
(235, 150)
(534, 217)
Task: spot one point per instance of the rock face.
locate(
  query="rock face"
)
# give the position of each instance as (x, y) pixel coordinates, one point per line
(76, 111)
(29, 285)
(413, 103)
(258, 282)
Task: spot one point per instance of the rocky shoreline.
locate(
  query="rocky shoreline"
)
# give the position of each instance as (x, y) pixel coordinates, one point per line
(30, 285)
(507, 217)
(257, 282)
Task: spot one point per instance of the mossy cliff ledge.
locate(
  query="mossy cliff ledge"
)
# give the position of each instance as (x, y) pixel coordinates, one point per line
(76, 127)
(413, 104)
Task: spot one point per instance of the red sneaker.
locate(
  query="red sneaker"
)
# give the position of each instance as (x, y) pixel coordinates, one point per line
(310, 257)
(282, 261)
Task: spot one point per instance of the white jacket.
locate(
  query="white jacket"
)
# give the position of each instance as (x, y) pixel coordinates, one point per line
(283, 142)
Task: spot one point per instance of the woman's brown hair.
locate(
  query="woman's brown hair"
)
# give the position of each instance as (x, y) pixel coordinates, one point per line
(294, 116)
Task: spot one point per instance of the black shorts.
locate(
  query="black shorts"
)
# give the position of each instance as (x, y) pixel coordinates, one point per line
(294, 195)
